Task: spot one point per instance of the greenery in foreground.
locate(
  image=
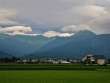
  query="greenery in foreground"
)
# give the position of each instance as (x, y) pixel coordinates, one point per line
(49, 76)
(51, 73)
(52, 67)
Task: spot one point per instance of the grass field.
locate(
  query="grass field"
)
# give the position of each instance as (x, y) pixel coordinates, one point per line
(48, 73)
(53, 76)
(52, 67)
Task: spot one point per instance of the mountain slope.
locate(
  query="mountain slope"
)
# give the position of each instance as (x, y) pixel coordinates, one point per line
(20, 45)
(81, 43)
(15, 47)
(37, 41)
(101, 45)
(4, 55)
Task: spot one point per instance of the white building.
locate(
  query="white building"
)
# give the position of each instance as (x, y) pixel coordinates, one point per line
(88, 59)
(64, 62)
(101, 61)
(96, 59)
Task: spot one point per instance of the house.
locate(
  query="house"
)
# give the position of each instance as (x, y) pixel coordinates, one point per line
(94, 59)
(75, 61)
(100, 60)
(24, 61)
(64, 62)
(34, 61)
(88, 59)
(55, 62)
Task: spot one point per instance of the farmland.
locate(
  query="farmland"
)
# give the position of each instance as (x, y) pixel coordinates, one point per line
(52, 67)
(54, 76)
(48, 73)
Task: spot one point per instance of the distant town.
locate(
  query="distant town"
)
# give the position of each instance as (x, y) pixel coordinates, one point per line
(88, 59)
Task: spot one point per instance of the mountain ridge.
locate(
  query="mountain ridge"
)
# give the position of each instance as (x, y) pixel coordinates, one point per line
(81, 43)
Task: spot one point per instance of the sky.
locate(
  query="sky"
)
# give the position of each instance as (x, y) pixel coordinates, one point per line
(57, 16)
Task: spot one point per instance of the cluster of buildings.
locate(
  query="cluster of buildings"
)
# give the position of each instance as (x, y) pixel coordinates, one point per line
(87, 59)
(94, 59)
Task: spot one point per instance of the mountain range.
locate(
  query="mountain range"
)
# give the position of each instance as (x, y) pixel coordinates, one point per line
(83, 42)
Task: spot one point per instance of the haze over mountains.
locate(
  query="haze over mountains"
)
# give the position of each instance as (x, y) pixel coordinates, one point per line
(77, 45)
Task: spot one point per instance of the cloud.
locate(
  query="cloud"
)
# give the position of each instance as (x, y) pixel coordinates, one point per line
(9, 26)
(7, 13)
(59, 34)
(5, 23)
(16, 30)
(75, 28)
(101, 25)
(91, 11)
(51, 12)
(60, 13)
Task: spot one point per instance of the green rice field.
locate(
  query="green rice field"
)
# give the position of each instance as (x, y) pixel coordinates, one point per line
(53, 67)
(52, 76)
(45, 73)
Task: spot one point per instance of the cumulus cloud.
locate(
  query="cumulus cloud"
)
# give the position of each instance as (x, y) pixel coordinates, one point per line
(61, 12)
(75, 28)
(16, 30)
(9, 26)
(59, 34)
